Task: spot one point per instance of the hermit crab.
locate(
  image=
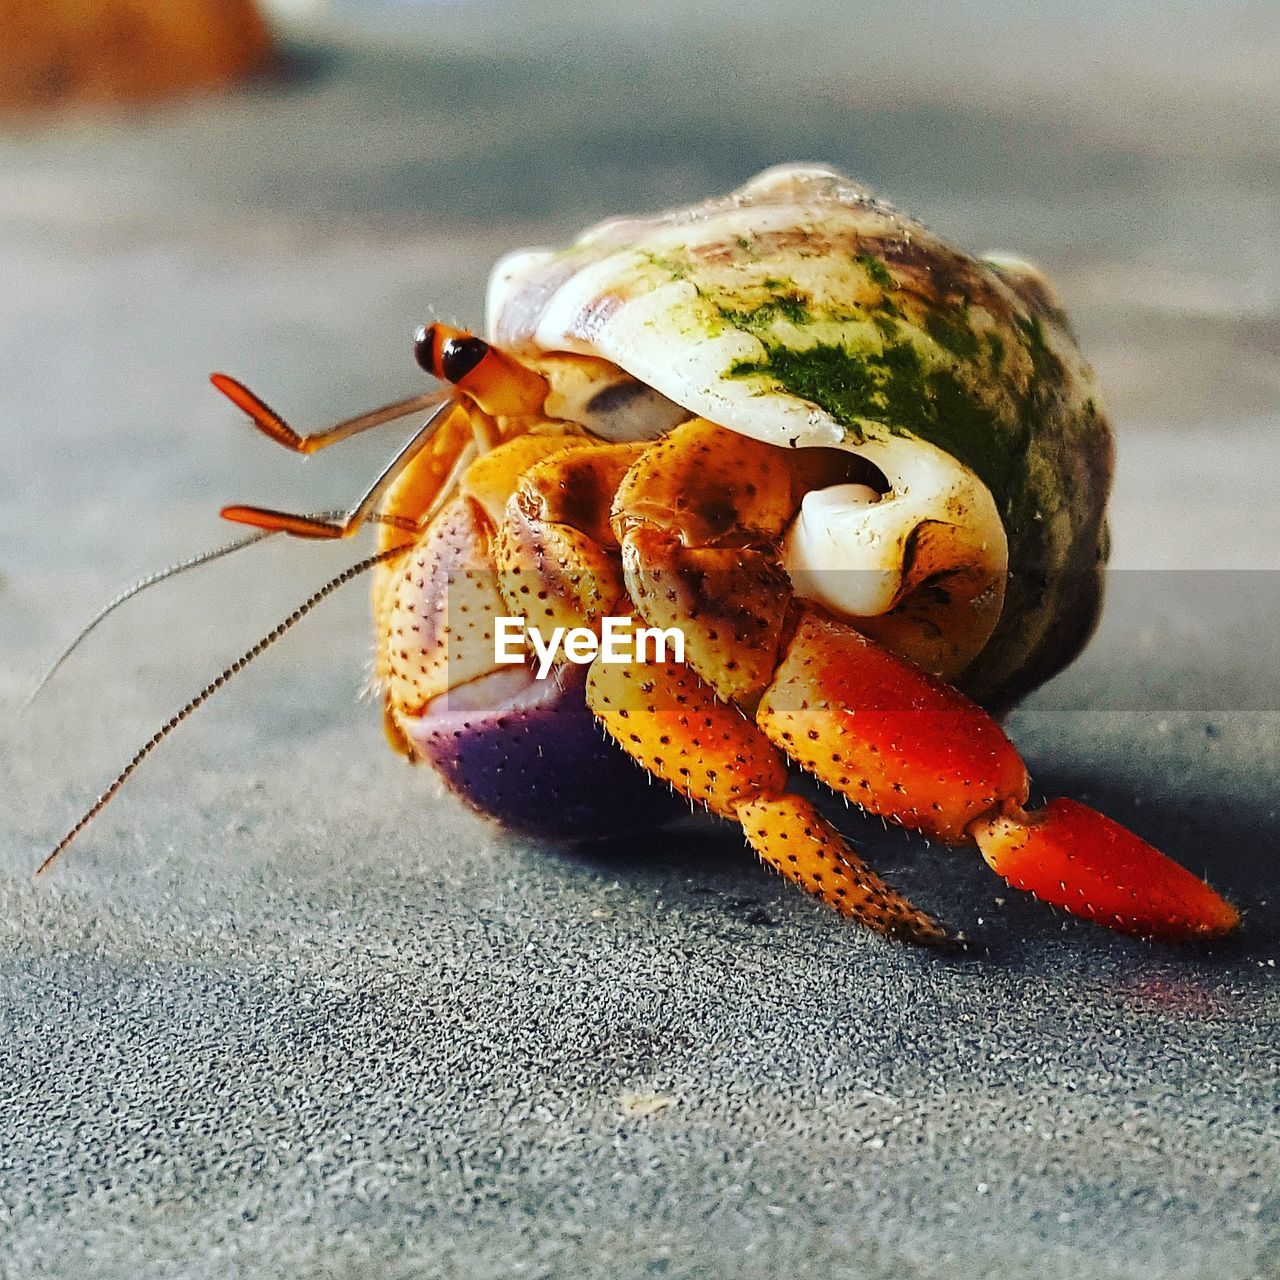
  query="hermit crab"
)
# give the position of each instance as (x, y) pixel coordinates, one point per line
(860, 474)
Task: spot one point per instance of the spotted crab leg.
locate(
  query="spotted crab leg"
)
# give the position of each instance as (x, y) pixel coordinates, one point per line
(557, 562)
(671, 722)
(907, 746)
(556, 553)
(871, 725)
(1078, 859)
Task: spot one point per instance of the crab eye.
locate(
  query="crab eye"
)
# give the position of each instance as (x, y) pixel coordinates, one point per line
(460, 355)
(424, 349)
(448, 354)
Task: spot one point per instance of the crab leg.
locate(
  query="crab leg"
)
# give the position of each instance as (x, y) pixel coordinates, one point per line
(872, 725)
(878, 729)
(672, 723)
(695, 518)
(1082, 861)
(907, 746)
(556, 554)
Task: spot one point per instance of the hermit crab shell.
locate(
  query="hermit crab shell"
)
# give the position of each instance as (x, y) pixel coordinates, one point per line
(804, 311)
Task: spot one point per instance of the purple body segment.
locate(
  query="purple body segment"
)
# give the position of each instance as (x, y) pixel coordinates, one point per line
(529, 754)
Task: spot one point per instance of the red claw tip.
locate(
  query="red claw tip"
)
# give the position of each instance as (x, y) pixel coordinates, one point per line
(1080, 860)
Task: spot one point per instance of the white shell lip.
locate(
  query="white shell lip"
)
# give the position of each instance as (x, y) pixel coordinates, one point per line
(837, 551)
(615, 295)
(603, 297)
(857, 554)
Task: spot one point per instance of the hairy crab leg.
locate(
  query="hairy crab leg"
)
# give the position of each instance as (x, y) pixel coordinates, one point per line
(696, 518)
(438, 646)
(903, 744)
(556, 554)
(870, 724)
(880, 731)
(557, 562)
(671, 722)
(1075, 858)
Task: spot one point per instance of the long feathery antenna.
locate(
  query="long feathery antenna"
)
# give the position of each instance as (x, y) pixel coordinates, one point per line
(151, 580)
(172, 571)
(211, 688)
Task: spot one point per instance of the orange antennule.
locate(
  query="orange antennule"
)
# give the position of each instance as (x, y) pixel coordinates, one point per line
(497, 382)
(264, 417)
(271, 424)
(300, 526)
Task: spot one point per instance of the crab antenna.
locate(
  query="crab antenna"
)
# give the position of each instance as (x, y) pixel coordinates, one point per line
(211, 688)
(172, 571)
(151, 580)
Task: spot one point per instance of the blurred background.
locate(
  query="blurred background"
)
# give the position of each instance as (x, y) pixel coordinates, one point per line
(296, 227)
(184, 189)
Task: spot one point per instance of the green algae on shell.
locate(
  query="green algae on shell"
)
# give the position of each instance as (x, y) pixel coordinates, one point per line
(804, 311)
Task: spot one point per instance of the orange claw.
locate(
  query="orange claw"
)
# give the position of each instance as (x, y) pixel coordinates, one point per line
(888, 735)
(1070, 855)
(903, 744)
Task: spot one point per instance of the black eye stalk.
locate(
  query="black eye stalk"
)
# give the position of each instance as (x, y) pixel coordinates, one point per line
(448, 354)
(497, 382)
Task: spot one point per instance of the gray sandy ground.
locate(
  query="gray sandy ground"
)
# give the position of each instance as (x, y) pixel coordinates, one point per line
(286, 1010)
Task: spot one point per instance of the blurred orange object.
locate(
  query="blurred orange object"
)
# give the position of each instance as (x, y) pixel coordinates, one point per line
(63, 52)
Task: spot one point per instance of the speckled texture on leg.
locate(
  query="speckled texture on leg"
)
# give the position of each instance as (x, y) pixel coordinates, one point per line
(800, 844)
